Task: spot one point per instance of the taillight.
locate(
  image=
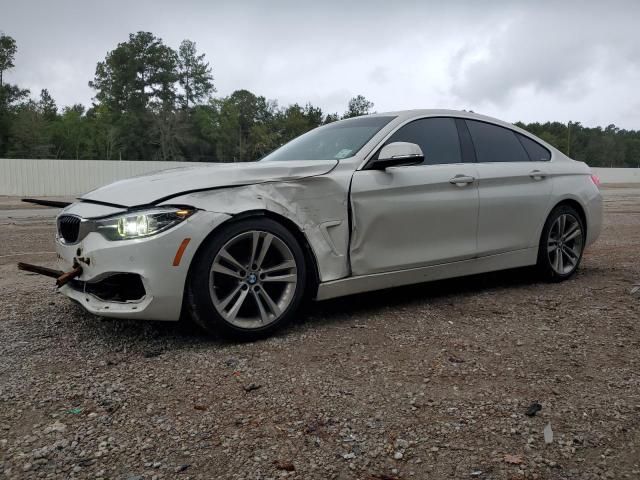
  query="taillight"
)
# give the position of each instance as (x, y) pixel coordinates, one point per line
(595, 179)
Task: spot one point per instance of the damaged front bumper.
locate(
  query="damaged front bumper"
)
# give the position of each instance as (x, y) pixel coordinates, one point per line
(140, 278)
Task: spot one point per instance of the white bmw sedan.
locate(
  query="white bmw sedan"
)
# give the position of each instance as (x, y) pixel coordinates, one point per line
(357, 205)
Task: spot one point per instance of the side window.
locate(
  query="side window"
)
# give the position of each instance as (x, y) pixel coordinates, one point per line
(496, 144)
(537, 153)
(437, 137)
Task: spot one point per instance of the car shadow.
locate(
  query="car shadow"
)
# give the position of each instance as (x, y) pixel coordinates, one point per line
(318, 314)
(329, 311)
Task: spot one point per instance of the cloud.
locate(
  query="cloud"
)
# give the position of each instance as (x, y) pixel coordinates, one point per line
(546, 51)
(379, 75)
(531, 61)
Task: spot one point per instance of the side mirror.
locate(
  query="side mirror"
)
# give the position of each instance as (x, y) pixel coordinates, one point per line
(396, 154)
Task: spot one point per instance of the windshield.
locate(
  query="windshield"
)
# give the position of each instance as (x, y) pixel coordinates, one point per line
(332, 142)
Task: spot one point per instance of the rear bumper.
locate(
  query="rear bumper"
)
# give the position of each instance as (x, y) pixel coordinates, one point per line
(152, 259)
(594, 214)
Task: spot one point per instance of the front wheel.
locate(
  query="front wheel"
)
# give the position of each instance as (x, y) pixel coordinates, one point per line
(561, 244)
(249, 279)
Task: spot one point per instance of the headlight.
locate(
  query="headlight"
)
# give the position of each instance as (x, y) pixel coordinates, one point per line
(143, 223)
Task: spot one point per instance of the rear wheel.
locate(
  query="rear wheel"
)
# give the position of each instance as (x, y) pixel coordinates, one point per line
(249, 280)
(561, 244)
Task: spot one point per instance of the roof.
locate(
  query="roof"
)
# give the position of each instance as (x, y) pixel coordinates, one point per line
(404, 115)
(436, 112)
(441, 112)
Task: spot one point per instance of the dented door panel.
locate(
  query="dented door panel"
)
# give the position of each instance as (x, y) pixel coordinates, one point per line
(409, 217)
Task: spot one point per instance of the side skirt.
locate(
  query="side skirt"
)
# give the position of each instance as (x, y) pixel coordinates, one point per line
(379, 281)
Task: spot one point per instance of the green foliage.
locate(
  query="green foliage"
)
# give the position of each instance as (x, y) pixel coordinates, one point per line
(29, 134)
(358, 106)
(8, 49)
(331, 117)
(598, 147)
(10, 95)
(194, 75)
(10, 98)
(137, 76)
(104, 135)
(71, 133)
(155, 103)
(47, 106)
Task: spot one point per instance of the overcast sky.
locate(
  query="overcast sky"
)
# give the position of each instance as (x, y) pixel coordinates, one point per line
(528, 60)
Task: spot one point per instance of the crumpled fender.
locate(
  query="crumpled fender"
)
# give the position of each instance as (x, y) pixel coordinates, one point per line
(318, 206)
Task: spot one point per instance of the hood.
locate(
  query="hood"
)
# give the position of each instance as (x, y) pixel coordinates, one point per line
(160, 186)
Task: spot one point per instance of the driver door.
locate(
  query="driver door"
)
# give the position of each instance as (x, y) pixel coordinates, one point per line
(413, 216)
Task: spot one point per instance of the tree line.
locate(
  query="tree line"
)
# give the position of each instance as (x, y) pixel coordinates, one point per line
(153, 102)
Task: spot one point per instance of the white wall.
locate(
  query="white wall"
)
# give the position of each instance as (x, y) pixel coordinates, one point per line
(21, 177)
(618, 175)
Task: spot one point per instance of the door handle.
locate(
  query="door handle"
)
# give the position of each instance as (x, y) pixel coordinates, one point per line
(461, 180)
(537, 174)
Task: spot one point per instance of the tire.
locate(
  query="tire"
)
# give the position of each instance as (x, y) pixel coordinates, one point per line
(561, 244)
(238, 288)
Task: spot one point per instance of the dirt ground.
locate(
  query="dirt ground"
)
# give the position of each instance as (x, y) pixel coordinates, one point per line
(431, 381)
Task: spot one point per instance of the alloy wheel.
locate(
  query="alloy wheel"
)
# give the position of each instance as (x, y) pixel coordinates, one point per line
(565, 243)
(253, 279)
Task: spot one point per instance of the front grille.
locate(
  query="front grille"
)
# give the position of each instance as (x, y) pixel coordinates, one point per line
(68, 228)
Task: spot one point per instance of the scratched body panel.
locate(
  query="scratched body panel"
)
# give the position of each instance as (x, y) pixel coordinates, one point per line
(317, 205)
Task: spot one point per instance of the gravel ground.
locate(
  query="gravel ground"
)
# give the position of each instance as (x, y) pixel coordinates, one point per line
(431, 381)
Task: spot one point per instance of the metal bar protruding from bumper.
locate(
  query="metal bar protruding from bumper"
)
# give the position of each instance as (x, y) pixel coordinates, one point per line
(46, 203)
(68, 276)
(62, 278)
(47, 272)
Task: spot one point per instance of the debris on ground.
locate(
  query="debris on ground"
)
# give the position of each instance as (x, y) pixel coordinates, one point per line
(284, 465)
(513, 459)
(534, 408)
(252, 386)
(548, 434)
(454, 359)
(57, 427)
(381, 476)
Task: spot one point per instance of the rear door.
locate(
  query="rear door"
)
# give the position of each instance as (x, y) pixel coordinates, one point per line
(418, 215)
(514, 188)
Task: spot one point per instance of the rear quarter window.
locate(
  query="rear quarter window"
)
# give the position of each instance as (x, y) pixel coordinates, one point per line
(536, 152)
(495, 144)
